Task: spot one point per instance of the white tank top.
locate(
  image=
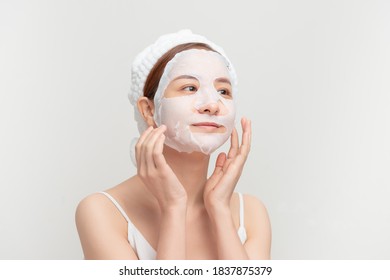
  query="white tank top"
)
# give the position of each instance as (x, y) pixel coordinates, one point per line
(142, 247)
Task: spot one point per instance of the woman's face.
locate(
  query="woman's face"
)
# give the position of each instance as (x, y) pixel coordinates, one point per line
(197, 104)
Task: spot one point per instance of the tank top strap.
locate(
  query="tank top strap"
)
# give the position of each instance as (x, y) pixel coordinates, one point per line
(242, 224)
(141, 246)
(117, 206)
(241, 230)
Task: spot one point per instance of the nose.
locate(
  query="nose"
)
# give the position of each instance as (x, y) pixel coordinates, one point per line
(211, 108)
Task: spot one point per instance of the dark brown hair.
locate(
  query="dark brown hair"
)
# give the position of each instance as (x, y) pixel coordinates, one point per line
(151, 83)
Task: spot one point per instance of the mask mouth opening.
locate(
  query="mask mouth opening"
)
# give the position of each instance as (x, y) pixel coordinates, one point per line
(207, 127)
(208, 124)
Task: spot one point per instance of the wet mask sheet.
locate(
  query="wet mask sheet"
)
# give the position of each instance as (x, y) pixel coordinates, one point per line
(195, 101)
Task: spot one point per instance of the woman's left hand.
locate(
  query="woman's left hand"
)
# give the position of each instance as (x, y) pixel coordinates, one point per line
(220, 186)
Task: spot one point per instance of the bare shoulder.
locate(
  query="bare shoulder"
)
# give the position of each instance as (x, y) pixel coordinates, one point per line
(102, 229)
(95, 208)
(99, 208)
(258, 227)
(254, 206)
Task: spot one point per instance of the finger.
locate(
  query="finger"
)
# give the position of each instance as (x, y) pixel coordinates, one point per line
(218, 172)
(250, 133)
(138, 146)
(219, 163)
(150, 143)
(237, 163)
(144, 148)
(233, 144)
(246, 135)
(158, 156)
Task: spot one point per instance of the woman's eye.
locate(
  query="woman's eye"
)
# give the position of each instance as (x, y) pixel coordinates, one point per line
(189, 88)
(224, 92)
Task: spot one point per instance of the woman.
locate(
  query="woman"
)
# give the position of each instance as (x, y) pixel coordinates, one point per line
(183, 88)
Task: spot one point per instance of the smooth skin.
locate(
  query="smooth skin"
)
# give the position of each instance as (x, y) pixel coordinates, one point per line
(181, 213)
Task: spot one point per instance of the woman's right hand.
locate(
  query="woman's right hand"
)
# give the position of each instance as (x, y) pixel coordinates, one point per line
(155, 172)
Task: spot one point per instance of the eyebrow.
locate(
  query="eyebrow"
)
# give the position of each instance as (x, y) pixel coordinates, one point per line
(223, 80)
(185, 77)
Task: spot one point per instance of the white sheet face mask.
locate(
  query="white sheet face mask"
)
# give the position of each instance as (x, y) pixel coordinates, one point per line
(194, 100)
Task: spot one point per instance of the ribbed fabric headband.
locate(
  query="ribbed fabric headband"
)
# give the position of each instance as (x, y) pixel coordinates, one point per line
(145, 61)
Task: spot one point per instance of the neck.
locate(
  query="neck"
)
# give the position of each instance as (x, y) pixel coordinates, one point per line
(191, 170)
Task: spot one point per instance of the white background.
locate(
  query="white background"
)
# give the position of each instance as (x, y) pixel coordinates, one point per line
(313, 76)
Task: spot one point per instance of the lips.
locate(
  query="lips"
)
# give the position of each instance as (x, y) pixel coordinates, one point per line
(207, 124)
